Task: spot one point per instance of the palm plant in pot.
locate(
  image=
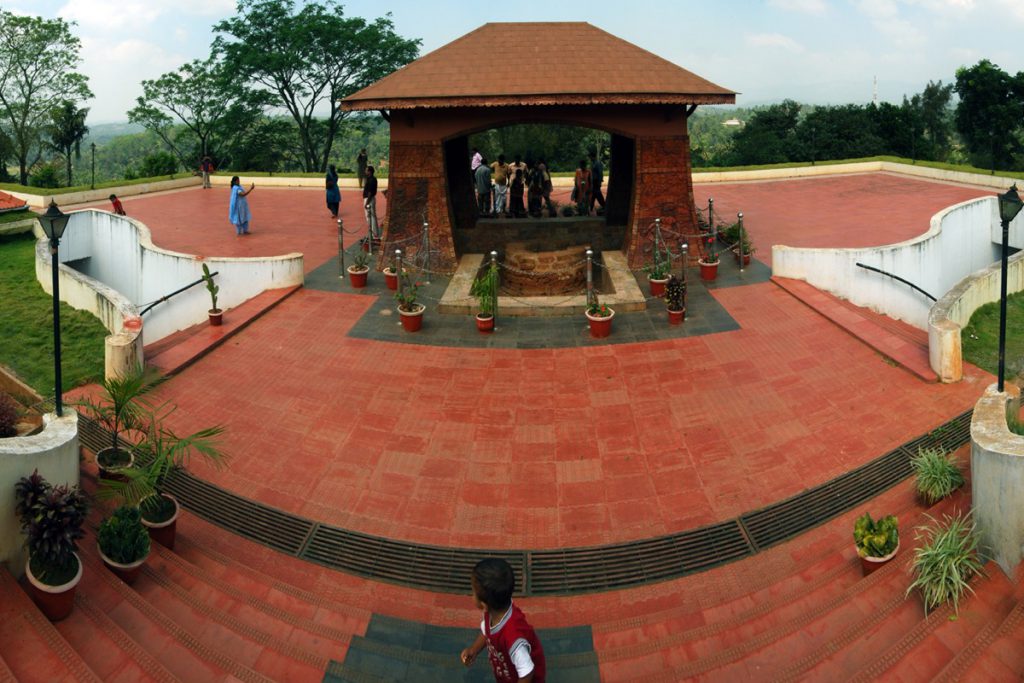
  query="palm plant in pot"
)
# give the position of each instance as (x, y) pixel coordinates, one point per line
(410, 310)
(359, 270)
(485, 289)
(124, 543)
(877, 540)
(675, 300)
(162, 451)
(52, 519)
(658, 273)
(216, 315)
(122, 405)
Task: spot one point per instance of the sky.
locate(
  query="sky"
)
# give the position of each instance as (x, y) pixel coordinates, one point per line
(813, 51)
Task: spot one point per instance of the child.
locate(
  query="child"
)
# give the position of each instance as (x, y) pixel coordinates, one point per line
(512, 645)
(118, 209)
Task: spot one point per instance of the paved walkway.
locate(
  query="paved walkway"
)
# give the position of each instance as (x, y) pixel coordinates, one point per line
(551, 447)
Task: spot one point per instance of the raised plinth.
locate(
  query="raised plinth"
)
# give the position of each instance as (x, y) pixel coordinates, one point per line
(558, 233)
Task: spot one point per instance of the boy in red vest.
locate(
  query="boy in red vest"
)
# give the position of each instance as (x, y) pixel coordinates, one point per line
(116, 203)
(512, 645)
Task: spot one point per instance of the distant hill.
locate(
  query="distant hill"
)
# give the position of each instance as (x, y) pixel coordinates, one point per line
(103, 132)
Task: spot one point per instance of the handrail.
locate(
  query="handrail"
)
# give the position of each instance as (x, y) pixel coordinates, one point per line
(162, 299)
(897, 277)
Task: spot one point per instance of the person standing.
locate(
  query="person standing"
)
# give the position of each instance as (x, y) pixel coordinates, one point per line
(482, 178)
(546, 185)
(582, 189)
(370, 203)
(205, 169)
(596, 180)
(518, 166)
(477, 159)
(361, 162)
(333, 192)
(238, 209)
(500, 169)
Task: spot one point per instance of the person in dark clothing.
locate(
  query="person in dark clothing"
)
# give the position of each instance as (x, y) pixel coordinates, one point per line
(361, 162)
(370, 203)
(516, 190)
(596, 180)
(333, 192)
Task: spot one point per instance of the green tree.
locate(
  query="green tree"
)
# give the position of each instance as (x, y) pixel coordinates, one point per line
(769, 136)
(38, 58)
(211, 105)
(66, 130)
(840, 132)
(936, 117)
(309, 60)
(990, 113)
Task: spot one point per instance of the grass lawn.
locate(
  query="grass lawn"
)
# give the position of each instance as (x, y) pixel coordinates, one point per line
(26, 325)
(15, 216)
(980, 338)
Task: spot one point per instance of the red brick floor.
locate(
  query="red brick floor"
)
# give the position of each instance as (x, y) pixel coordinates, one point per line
(556, 447)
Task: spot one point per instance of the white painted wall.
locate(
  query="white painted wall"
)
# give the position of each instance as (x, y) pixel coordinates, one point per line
(960, 240)
(118, 253)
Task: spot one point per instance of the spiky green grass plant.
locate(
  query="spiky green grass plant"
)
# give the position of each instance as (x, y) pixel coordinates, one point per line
(938, 473)
(945, 561)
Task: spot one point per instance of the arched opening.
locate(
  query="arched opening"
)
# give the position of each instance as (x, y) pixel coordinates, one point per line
(556, 224)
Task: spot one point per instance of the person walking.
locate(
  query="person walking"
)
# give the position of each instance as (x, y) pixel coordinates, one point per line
(370, 203)
(596, 180)
(500, 169)
(361, 161)
(482, 179)
(333, 191)
(205, 169)
(238, 209)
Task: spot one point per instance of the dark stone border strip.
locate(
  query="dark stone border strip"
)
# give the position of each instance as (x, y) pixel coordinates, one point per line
(567, 571)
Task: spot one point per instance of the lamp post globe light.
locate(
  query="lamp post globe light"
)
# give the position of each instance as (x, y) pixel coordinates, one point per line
(1009, 206)
(53, 223)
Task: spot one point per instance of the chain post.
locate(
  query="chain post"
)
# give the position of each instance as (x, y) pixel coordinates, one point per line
(398, 264)
(341, 248)
(711, 219)
(684, 251)
(590, 277)
(739, 217)
(494, 310)
(426, 251)
(657, 240)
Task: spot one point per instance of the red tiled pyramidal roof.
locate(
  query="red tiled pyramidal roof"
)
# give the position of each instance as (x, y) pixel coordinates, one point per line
(10, 203)
(535, 63)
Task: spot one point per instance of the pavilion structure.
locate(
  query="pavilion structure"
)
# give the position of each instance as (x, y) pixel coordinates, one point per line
(569, 73)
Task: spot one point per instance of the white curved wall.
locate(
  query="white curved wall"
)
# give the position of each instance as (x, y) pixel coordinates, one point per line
(118, 252)
(960, 240)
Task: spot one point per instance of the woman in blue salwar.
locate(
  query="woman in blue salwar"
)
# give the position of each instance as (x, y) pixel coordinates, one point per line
(238, 211)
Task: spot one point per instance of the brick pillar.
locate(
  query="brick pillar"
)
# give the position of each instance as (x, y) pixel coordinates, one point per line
(417, 188)
(664, 189)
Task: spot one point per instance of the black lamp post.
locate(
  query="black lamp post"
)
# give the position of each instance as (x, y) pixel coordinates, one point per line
(53, 223)
(1009, 206)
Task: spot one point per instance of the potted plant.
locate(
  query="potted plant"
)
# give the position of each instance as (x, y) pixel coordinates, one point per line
(731, 236)
(161, 451)
(124, 543)
(410, 310)
(121, 405)
(946, 560)
(657, 274)
(599, 317)
(216, 315)
(877, 541)
(675, 300)
(938, 474)
(52, 519)
(485, 289)
(708, 260)
(391, 278)
(359, 270)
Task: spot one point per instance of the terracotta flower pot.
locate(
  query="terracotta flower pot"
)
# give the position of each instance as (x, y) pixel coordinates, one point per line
(485, 322)
(601, 327)
(113, 472)
(746, 257)
(56, 602)
(216, 317)
(412, 321)
(676, 317)
(391, 280)
(708, 271)
(657, 286)
(126, 572)
(357, 276)
(872, 564)
(164, 532)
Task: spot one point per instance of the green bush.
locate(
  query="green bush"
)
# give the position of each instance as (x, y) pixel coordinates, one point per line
(938, 474)
(52, 519)
(946, 561)
(122, 537)
(46, 175)
(876, 538)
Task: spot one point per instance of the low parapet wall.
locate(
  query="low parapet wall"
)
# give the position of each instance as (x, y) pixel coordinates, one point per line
(54, 452)
(997, 478)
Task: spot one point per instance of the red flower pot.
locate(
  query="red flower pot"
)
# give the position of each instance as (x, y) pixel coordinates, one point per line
(165, 532)
(746, 257)
(357, 277)
(216, 317)
(126, 572)
(657, 286)
(485, 322)
(871, 565)
(391, 280)
(676, 317)
(56, 602)
(601, 327)
(708, 271)
(412, 321)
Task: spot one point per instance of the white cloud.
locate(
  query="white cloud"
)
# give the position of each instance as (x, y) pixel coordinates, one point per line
(773, 40)
(804, 6)
(138, 14)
